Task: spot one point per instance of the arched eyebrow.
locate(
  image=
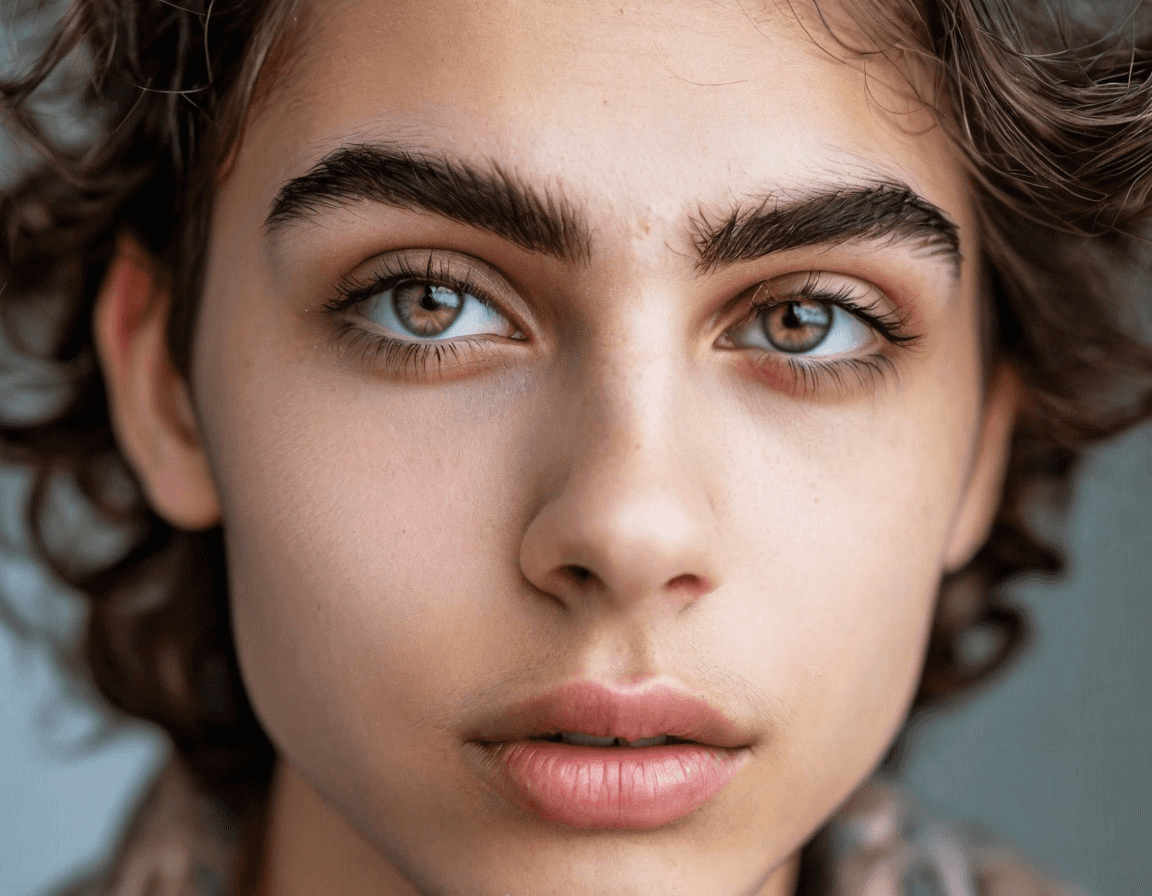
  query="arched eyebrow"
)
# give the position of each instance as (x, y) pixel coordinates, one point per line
(492, 199)
(488, 198)
(886, 211)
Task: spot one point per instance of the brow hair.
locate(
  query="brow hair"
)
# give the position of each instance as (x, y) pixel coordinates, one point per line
(882, 211)
(488, 197)
(496, 200)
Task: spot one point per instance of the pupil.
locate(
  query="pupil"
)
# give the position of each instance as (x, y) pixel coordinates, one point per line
(797, 327)
(426, 309)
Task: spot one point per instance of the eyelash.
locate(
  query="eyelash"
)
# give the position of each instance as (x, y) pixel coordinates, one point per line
(811, 377)
(403, 358)
(397, 356)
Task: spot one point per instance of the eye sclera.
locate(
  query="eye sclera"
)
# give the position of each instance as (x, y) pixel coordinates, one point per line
(852, 303)
(848, 300)
(458, 272)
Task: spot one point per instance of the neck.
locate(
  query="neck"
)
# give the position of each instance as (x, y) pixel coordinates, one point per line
(310, 848)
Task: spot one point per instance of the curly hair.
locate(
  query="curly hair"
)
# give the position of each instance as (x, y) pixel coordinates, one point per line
(1052, 115)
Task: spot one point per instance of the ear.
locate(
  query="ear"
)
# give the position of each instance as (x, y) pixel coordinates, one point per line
(984, 488)
(149, 403)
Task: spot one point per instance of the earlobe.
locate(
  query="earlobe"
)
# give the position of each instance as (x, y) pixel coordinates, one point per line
(984, 488)
(149, 403)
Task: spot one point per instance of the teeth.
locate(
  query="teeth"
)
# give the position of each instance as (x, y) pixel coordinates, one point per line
(645, 741)
(587, 740)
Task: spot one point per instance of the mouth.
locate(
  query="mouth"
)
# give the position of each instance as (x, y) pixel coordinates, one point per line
(577, 739)
(594, 714)
(591, 756)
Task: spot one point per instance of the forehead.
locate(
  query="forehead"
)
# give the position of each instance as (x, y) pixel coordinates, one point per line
(661, 108)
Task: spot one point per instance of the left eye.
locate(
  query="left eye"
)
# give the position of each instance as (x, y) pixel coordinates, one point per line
(421, 311)
(805, 325)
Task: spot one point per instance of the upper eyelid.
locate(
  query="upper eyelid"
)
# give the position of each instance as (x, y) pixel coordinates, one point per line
(748, 302)
(490, 286)
(885, 317)
(486, 283)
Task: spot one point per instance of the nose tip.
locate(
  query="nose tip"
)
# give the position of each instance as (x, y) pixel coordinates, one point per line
(624, 542)
(687, 587)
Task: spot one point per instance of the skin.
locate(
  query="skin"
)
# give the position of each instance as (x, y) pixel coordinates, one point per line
(400, 546)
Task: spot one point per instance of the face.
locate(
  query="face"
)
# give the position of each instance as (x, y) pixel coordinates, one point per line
(598, 368)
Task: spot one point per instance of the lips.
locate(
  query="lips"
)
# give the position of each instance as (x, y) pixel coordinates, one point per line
(534, 754)
(600, 711)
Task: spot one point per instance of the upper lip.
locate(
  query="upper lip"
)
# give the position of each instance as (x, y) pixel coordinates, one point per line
(604, 711)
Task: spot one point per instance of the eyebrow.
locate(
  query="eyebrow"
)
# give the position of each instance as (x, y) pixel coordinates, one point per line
(485, 197)
(488, 197)
(887, 210)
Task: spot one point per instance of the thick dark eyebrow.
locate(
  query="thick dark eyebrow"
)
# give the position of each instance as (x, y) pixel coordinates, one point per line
(885, 211)
(488, 197)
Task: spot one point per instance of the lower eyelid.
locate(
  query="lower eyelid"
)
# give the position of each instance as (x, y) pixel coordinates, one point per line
(839, 378)
(382, 355)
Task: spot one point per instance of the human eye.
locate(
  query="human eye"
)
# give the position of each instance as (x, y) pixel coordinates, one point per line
(419, 309)
(824, 330)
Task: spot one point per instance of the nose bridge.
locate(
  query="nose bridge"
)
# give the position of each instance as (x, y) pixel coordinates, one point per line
(631, 407)
(631, 379)
(631, 518)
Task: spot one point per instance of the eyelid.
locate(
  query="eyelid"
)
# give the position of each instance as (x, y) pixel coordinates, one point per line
(821, 285)
(443, 267)
(852, 294)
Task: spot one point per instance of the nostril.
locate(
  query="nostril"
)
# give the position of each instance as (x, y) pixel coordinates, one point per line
(578, 574)
(688, 584)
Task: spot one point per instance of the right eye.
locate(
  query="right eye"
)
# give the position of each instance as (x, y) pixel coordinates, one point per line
(423, 311)
(807, 328)
(419, 312)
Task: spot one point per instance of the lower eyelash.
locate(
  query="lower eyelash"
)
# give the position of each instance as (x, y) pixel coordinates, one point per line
(811, 378)
(397, 356)
(843, 376)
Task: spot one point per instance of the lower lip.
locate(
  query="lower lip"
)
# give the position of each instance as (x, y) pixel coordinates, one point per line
(613, 787)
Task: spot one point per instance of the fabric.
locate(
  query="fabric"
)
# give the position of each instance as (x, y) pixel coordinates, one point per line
(881, 843)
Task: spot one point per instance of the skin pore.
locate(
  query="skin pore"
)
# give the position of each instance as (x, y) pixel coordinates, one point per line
(720, 427)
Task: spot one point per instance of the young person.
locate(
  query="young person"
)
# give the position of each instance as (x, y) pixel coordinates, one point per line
(553, 448)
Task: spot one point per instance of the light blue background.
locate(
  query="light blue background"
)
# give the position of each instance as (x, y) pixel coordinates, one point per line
(1057, 756)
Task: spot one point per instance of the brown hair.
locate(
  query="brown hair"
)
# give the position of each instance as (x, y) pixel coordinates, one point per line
(1053, 116)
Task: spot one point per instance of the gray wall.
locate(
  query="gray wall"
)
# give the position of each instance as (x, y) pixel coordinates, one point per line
(1057, 756)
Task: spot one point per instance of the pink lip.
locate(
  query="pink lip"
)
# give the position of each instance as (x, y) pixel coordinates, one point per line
(611, 787)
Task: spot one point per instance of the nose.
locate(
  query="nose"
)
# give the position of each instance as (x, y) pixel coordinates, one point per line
(631, 520)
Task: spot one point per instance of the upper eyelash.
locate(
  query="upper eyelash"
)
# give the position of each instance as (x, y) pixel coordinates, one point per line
(891, 325)
(810, 375)
(393, 270)
(350, 292)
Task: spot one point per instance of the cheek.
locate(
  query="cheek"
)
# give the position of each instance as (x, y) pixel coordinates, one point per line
(839, 531)
(370, 565)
